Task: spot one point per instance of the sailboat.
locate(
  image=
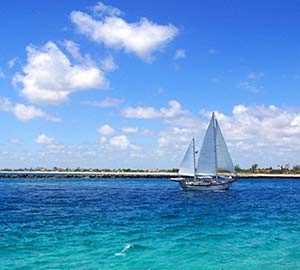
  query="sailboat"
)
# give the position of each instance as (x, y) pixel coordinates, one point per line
(200, 170)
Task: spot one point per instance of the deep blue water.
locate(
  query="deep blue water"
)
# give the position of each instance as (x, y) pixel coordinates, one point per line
(148, 224)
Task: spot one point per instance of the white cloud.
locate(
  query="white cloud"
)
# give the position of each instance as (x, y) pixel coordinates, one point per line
(238, 109)
(44, 139)
(25, 112)
(108, 64)
(106, 130)
(101, 9)
(103, 140)
(142, 38)
(267, 135)
(120, 142)
(172, 143)
(106, 103)
(296, 121)
(179, 54)
(130, 129)
(173, 110)
(49, 76)
(73, 49)
(11, 63)
(175, 135)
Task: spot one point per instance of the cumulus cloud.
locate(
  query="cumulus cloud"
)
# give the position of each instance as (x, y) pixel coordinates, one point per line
(44, 139)
(49, 77)
(106, 130)
(173, 110)
(25, 112)
(120, 142)
(267, 125)
(142, 38)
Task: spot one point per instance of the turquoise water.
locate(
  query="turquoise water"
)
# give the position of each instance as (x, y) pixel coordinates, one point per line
(148, 224)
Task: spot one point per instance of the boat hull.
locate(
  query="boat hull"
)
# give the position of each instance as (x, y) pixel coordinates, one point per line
(204, 184)
(211, 187)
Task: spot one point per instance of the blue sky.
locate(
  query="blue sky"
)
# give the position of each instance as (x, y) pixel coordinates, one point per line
(128, 83)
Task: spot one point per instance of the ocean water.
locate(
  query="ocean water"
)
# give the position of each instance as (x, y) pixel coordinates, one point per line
(148, 224)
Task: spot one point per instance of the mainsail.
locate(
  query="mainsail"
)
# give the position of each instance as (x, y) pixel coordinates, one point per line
(187, 167)
(214, 154)
(207, 162)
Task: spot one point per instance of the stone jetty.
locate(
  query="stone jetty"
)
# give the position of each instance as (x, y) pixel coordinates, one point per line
(119, 174)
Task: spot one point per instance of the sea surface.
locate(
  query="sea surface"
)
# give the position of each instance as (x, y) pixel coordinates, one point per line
(148, 224)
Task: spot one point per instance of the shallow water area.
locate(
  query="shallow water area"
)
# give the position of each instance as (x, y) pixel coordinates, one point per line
(148, 224)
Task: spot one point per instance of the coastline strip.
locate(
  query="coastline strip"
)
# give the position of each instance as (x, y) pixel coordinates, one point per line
(67, 174)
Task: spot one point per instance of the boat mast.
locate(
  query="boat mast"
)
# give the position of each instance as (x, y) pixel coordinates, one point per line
(215, 143)
(194, 159)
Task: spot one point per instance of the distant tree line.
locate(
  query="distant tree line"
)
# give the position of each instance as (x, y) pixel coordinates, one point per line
(281, 169)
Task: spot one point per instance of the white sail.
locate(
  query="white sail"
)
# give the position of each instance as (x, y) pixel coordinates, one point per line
(207, 162)
(224, 161)
(187, 167)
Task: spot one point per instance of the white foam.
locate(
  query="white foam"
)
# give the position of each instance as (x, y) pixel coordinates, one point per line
(124, 250)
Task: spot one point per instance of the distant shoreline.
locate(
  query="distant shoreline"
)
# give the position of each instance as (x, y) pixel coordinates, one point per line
(105, 174)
